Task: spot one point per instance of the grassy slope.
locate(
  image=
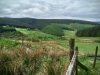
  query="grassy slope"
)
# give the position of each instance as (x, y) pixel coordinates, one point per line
(30, 32)
(36, 33)
(75, 26)
(57, 29)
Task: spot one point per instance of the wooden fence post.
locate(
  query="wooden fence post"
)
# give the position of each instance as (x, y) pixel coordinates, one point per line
(73, 69)
(76, 49)
(95, 56)
(71, 44)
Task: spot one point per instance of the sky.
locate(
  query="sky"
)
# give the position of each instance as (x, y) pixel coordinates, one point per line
(51, 9)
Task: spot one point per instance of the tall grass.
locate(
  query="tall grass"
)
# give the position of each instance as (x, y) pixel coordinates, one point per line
(19, 62)
(88, 62)
(43, 60)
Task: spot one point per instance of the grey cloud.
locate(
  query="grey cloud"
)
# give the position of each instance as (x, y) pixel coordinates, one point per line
(74, 9)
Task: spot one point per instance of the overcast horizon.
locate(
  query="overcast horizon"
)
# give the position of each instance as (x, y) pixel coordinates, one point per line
(51, 9)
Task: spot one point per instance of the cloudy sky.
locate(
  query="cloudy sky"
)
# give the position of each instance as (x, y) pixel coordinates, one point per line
(56, 9)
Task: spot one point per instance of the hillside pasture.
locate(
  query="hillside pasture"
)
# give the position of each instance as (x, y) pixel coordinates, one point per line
(36, 34)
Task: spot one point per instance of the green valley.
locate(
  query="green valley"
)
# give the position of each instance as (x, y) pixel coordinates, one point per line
(45, 50)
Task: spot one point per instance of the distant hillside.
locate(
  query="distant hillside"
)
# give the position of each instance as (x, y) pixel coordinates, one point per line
(89, 32)
(38, 23)
(13, 22)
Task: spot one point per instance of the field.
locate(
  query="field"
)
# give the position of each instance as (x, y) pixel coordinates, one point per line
(86, 46)
(48, 56)
(30, 32)
(36, 34)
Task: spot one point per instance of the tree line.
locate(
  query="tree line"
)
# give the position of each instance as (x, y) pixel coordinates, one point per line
(89, 32)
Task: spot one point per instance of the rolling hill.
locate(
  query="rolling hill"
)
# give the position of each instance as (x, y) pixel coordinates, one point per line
(38, 23)
(58, 29)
